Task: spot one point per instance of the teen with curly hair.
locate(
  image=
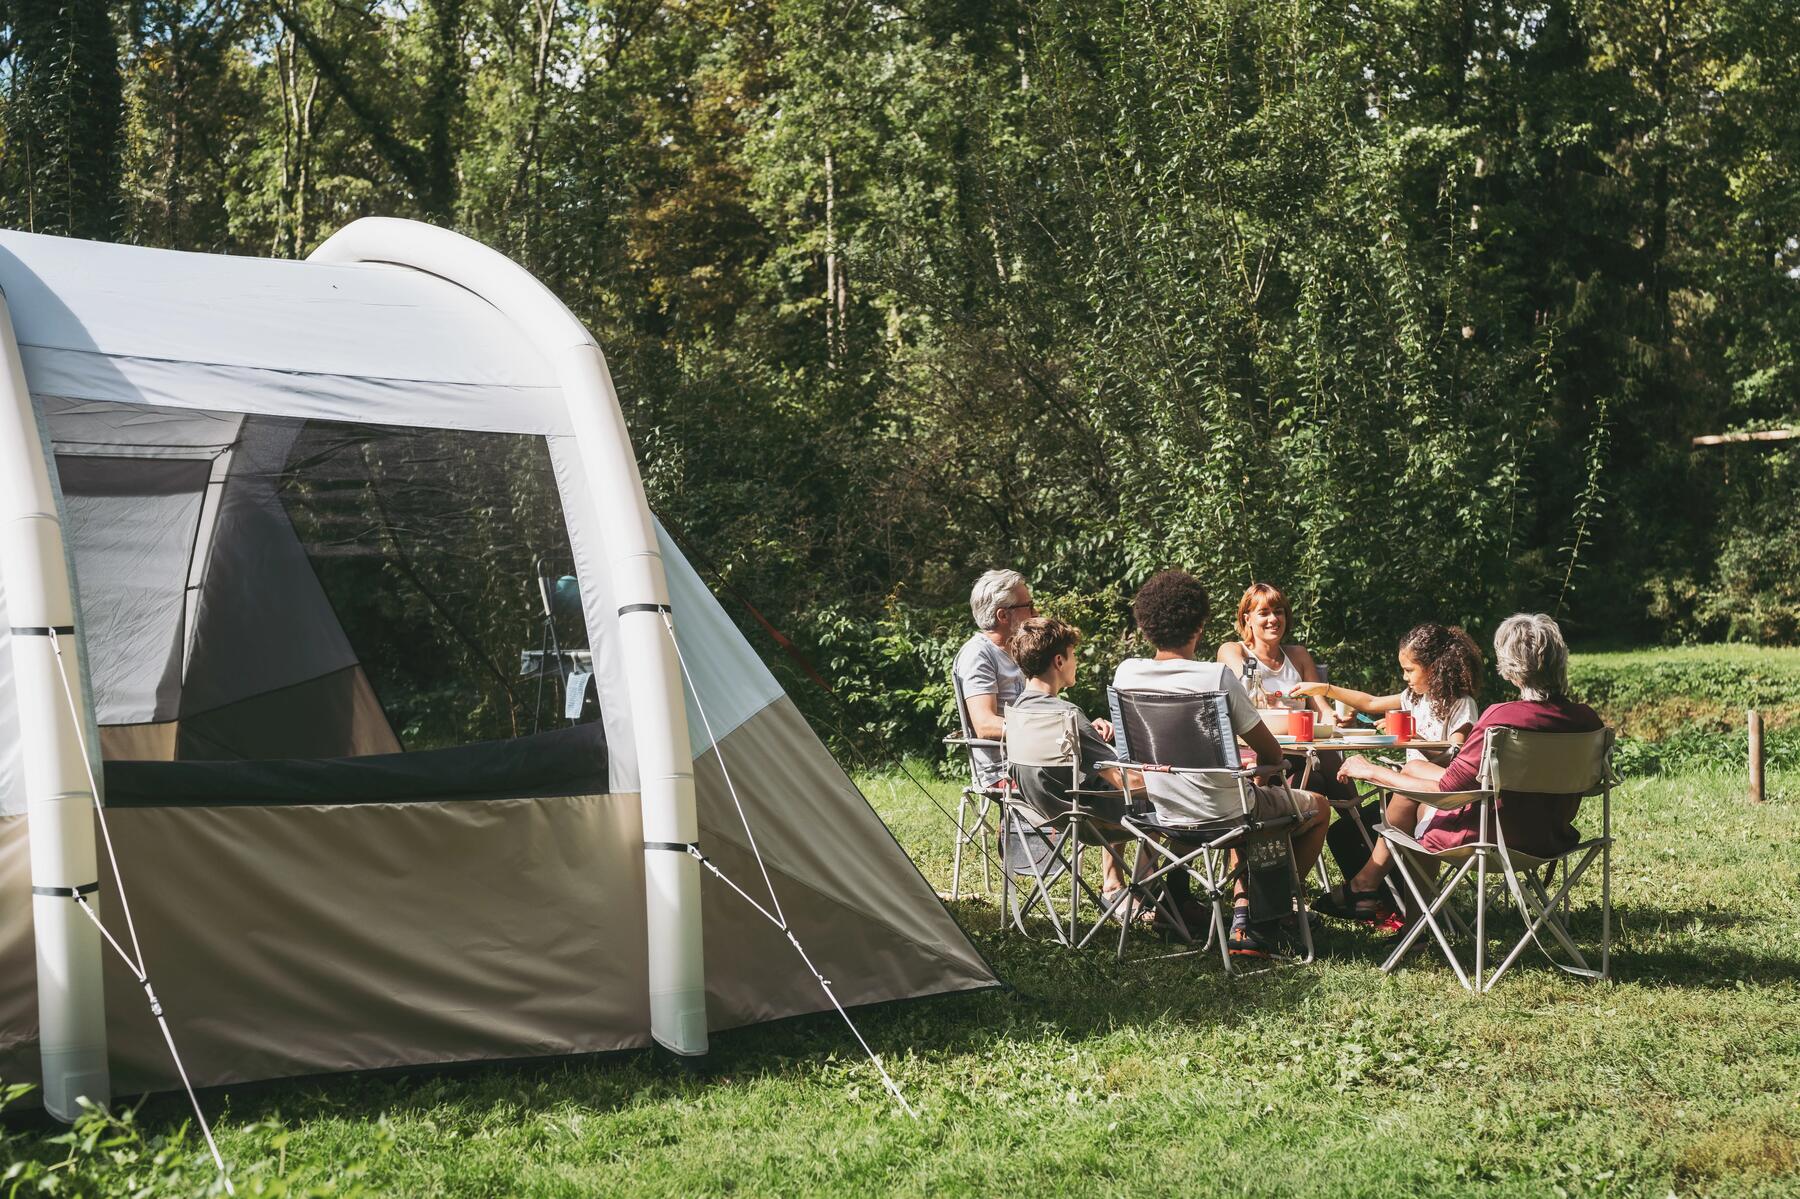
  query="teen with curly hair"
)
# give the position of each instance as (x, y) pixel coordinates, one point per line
(1171, 610)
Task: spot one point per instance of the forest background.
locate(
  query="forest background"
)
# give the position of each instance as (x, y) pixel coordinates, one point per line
(1411, 306)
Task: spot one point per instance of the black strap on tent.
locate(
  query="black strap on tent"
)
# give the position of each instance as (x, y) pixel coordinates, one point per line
(66, 630)
(67, 892)
(630, 608)
(673, 846)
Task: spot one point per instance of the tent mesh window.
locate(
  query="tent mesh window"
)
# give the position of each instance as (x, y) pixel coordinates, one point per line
(440, 551)
(263, 589)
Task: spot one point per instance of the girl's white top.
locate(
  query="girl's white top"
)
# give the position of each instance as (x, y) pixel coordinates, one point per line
(1429, 726)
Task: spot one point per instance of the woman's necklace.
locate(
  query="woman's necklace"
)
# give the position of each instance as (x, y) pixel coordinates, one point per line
(1280, 656)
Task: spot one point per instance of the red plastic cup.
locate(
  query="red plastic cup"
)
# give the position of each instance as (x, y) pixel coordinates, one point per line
(1400, 724)
(1300, 724)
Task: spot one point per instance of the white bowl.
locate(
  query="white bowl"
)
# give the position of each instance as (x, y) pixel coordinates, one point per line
(1276, 720)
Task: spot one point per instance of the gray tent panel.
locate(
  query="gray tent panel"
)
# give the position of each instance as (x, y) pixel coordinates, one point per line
(254, 335)
(134, 519)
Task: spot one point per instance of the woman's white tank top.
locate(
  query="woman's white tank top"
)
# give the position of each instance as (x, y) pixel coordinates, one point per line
(1280, 681)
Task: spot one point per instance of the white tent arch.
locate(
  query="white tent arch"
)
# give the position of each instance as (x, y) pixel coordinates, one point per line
(169, 360)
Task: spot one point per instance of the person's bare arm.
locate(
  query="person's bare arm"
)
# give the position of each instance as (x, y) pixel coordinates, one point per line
(1362, 701)
(1231, 653)
(985, 717)
(1418, 776)
(1124, 780)
(1262, 742)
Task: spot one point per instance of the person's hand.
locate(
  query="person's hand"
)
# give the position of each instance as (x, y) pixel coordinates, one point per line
(1104, 727)
(1308, 690)
(1355, 767)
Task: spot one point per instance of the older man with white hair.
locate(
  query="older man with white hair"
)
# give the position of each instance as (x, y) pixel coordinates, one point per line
(1530, 653)
(986, 674)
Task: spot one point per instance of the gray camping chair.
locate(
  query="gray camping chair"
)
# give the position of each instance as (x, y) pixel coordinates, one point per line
(1519, 762)
(1186, 735)
(978, 800)
(1043, 835)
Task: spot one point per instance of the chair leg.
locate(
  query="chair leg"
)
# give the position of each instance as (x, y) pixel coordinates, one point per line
(962, 837)
(983, 829)
(1427, 918)
(1606, 910)
(1539, 911)
(1480, 915)
(1302, 917)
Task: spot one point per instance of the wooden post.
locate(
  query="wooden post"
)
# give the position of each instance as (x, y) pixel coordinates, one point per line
(1756, 757)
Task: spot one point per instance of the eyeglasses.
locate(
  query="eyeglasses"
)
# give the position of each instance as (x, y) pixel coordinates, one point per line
(1031, 604)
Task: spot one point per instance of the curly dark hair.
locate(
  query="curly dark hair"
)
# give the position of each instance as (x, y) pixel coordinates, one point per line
(1452, 663)
(1171, 608)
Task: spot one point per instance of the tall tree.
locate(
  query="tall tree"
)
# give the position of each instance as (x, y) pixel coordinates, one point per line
(64, 117)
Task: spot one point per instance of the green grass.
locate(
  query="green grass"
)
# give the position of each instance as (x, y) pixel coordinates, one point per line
(1161, 1077)
(1684, 708)
(1653, 693)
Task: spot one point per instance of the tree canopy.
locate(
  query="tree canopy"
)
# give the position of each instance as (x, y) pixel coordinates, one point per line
(1411, 306)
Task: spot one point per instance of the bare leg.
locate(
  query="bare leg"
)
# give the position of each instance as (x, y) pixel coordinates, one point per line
(1403, 814)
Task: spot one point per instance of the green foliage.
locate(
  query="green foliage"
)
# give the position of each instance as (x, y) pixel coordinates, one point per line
(1411, 307)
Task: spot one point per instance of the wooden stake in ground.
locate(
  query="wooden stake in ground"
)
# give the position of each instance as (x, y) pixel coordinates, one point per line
(1756, 757)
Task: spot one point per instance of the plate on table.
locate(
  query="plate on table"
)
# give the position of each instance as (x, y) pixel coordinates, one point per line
(1284, 739)
(1370, 739)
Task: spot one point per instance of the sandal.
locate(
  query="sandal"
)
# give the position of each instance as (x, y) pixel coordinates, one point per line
(1341, 903)
(1129, 912)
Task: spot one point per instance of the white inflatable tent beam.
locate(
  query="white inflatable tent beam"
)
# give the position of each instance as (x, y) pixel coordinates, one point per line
(60, 802)
(622, 514)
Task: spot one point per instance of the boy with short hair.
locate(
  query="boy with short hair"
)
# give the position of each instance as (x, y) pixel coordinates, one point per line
(1044, 648)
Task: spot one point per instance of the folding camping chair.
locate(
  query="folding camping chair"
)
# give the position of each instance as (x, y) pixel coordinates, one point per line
(1042, 839)
(1188, 735)
(1527, 763)
(977, 800)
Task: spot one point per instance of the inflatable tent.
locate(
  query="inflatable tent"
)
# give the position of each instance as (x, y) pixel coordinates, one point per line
(259, 520)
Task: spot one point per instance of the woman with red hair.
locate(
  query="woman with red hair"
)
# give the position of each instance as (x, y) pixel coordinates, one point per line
(1269, 668)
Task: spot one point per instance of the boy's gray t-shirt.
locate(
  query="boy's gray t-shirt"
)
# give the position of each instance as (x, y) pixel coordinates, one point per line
(983, 668)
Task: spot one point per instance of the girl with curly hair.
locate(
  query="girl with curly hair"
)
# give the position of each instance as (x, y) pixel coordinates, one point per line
(1441, 666)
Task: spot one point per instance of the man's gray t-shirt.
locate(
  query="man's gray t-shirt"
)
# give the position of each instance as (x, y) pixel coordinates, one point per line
(983, 668)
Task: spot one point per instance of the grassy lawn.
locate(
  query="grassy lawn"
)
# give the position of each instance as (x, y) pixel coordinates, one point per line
(1144, 1078)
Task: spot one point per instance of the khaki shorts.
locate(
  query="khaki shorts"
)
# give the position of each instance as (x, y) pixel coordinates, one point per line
(1277, 801)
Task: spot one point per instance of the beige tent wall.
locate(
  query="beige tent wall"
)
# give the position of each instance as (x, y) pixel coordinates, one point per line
(287, 940)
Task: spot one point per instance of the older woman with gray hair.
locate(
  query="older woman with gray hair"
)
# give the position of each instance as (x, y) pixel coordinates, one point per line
(1530, 653)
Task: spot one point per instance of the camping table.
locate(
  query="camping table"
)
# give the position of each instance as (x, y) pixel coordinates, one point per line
(1309, 750)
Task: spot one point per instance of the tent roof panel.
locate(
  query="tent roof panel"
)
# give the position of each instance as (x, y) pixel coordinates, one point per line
(366, 343)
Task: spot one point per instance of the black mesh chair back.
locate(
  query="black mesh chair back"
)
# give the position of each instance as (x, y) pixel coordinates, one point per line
(1185, 729)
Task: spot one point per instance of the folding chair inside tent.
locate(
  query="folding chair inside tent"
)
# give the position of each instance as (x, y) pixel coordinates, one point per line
(1519, 762)
(1186, 738)
(977, 800)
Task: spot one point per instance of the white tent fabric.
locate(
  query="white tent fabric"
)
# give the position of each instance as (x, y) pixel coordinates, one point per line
(254, 335)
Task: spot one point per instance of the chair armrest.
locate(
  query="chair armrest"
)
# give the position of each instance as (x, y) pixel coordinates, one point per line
(1444, 801)
(976, 742)
(1185, 771)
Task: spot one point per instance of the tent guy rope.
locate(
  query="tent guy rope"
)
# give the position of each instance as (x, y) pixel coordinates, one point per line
(133, 963)
(776, 917)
